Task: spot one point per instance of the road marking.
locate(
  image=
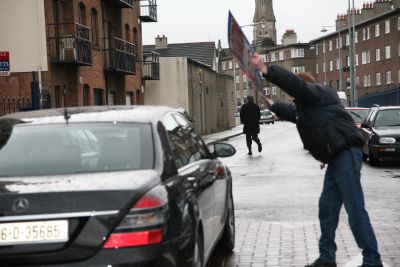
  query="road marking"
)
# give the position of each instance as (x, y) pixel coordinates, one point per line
(357, 261)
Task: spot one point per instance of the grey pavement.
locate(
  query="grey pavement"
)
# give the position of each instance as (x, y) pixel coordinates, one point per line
(268, 238)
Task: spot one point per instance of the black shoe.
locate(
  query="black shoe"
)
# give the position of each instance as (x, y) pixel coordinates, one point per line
(367, 265)
(321, 263)
(259, 147)
(250, 153)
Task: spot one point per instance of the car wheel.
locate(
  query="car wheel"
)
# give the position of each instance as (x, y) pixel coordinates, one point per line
(373, 161)
(198, 253)
(227, 241)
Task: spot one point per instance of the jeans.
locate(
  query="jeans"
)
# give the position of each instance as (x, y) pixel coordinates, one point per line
(342, 186)
(254, 137)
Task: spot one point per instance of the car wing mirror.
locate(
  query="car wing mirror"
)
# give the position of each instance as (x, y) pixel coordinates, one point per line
(222, 150)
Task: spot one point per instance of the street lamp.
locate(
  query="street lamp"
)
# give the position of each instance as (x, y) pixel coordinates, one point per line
(350, 15)
(340, 54)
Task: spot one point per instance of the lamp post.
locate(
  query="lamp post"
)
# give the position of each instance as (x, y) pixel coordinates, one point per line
(353, 90)
(339, 52)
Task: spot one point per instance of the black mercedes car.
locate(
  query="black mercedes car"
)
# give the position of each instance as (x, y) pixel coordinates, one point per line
(381, 130)
(111, 186)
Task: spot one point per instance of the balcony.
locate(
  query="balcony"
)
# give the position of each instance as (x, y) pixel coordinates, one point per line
(70, 44)
(151, 66)
(148, 11)
(122, 3)
(120, 56)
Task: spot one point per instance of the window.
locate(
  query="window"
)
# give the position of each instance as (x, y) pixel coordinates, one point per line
(368, 34)
(356, 37)
(347, 40)
(273, 57)
(378, 54)
(356, 59)
(237, 94)
(387, 52)
(297, 53)
(281, 55)
(398, 23)
(357, 81)
(82, 13)
(348, 83)
(127, 33)
(298, 69)
(364, 31)
(317, 68)
(378, 79)
(367, 80)
(377, 30)
(266, 91)
(330, 45)
(323, 67)
(337, 43)
(244, 78)
(230, 64)
(237, 79)
(388, 77)
(245, 93)
(338, 64)
(387, 26)
(330, 65)
(274, 90)
(95, 27)
(223, 65)
(398, 49)
(236, 65)
(366, 57)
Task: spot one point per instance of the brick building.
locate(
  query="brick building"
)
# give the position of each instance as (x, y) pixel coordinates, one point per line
(94, 51)
(377, 50)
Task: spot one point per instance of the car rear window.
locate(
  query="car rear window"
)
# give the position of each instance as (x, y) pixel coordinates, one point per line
(266, 113)
(76, 148)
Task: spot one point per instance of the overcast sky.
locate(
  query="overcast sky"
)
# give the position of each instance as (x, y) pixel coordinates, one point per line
(185, 21)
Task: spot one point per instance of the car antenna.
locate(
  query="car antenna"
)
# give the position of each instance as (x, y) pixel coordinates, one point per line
(66, 116)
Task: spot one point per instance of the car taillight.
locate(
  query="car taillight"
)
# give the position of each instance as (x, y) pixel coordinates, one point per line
(143, 225)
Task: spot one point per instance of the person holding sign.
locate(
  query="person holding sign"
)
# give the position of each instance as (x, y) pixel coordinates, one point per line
(330, 135)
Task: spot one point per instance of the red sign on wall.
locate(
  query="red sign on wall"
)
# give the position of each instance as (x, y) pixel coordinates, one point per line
(4, 63)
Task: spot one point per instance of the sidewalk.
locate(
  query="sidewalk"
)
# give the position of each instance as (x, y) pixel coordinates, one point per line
(224, 135)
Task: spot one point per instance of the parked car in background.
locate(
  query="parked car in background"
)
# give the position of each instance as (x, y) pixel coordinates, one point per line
(381, 130)
(358, 114)
(111, 186)
(267, 116)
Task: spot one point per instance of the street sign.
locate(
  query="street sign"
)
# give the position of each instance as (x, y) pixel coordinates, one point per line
(4, 63)
(242, 51)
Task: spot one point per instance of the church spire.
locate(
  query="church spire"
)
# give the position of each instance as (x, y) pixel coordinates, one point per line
(264, 32)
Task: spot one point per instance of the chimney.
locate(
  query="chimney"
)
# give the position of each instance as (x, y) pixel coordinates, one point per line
(161, 42)
(382, 6)
(367, 11)
(289, 37)
(341, 22)
(395, 4)
(357, 16)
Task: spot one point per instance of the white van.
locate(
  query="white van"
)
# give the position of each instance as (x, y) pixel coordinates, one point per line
(342, 98)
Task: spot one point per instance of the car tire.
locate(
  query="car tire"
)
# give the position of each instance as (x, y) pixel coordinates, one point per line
(373, 161)
(273, 122)
(227, 241)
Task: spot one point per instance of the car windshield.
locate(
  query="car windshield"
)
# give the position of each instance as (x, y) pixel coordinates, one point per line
(358, 115)
(51, 149)
(388, 117)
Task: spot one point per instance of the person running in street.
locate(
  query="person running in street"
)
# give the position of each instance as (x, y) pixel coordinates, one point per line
(330, 135)
(250, 117)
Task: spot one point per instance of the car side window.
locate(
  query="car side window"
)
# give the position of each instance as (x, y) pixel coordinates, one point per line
(186, 145)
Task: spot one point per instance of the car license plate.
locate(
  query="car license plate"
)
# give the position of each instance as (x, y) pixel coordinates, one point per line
(33, 232)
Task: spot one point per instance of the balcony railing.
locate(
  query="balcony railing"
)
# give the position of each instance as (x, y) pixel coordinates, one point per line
(151, 66)
(148, 10)
(70, 44)
(120, 56)
(122, 3)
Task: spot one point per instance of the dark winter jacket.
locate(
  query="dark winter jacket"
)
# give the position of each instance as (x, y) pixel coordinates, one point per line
(250, 117)
(325, 127)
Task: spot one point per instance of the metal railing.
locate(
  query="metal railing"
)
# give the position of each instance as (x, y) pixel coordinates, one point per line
(16, 104)
(390, 97)
(151, 66)
(70, 44)
(123, 3)
(148, 10)
(120, 56)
